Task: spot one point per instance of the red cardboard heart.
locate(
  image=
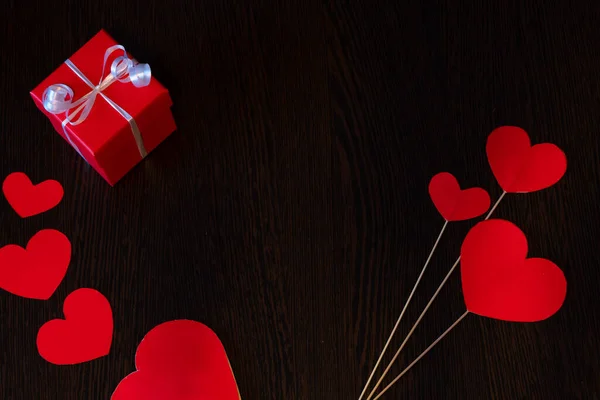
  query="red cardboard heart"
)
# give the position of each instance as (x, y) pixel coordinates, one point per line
(519, 167)
(28, 199)
(453, 203)
(36, 271)
(500, 282)
(84, 335)
(179, 360)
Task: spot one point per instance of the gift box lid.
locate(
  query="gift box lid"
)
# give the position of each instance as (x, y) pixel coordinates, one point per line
(103, 123)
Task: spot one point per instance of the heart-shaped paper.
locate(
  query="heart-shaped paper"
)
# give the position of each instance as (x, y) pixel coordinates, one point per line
(519, 167)
(84, 335)
(36, 271)
(500, 282)
(453, 203)
(179, 360)
(28, 199)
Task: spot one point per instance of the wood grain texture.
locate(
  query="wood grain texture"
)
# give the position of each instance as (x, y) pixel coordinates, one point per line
(290, 213)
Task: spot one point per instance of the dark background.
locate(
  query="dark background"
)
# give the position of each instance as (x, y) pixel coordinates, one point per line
(290, 212)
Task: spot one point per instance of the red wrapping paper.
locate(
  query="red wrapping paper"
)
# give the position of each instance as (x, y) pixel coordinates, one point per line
(105, 138)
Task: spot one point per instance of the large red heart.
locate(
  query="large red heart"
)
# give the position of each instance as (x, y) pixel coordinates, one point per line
(84, 335)
(36, 271)
(28, 199)
(179, 360)
(500, 282)
(453, 203)
(519, 167)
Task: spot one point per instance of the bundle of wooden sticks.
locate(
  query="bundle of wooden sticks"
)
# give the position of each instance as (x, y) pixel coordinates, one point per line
(498, 281)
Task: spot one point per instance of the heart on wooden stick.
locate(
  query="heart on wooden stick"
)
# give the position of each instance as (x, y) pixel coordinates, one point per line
(520, 167)
(454, 203)
(500, 282)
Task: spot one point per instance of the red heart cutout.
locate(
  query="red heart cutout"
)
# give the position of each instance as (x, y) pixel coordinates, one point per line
(84, 335)
(500, 282)
(519, 167)
(453, 203)
(179, 360)
(28, 199)
(36, 271)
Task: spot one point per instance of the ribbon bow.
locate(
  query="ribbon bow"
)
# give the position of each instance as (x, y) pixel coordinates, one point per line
(58, 98)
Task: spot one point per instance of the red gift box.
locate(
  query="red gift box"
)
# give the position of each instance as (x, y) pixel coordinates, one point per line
(127, 118)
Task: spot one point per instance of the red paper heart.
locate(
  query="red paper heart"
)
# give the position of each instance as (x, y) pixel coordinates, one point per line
(499, 282)
(28, 199)
(84, 335)
(453, 203)
(519, 167)
(179, 360)
(36, 271)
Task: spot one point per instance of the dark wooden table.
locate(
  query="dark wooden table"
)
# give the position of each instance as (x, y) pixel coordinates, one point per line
(290, 212)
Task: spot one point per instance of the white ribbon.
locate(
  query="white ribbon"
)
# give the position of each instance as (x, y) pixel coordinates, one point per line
(58, 98)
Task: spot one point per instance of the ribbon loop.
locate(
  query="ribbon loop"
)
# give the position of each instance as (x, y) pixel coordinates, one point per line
(140, 75)
(57, 98)
(120, 67)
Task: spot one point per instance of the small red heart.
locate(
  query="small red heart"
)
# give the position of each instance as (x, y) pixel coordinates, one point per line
(453, 203)
(519, 167)
(28, 199)
(84, 335)
(36, 271)
(500, 282)
(179, 360)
